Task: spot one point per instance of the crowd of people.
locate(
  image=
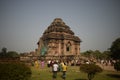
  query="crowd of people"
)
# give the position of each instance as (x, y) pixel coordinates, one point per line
(61, 65)
(55, 66)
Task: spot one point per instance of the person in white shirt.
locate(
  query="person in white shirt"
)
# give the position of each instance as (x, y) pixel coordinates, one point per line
(55, 70)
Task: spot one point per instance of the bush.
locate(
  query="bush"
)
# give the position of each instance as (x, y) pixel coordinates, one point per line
(90, 69)
(14, 71)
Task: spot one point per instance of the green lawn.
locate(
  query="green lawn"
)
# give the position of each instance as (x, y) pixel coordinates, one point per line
(73, 73)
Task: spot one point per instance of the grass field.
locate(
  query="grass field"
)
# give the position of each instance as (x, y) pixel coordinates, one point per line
(73, 73)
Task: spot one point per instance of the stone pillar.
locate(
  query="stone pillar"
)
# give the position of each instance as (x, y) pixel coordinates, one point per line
(72, 48)
(59, 47)
(64, 48)
(78, 49)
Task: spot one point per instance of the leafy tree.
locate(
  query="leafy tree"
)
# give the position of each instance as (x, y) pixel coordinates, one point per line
(92, 54)
(12, 54)
(97, 54)
(106, 55)
(90, 69)
(87, 53)
(117, 66)
(115, 49)
(3, 52)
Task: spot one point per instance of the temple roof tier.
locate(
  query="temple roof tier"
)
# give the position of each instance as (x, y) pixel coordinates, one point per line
(61, 37)
(58, 26)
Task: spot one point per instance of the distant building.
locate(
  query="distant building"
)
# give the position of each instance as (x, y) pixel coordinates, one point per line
(58, 40)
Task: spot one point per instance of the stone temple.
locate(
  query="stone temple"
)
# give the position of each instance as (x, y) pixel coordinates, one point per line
(58, 40)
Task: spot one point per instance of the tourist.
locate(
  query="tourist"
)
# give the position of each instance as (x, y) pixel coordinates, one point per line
(55, 70)
(87, 62)
(51, 63)
(64, 69)
(42, 64)
(62, 63)
(48, 63)
(36, 64)
(60, 66)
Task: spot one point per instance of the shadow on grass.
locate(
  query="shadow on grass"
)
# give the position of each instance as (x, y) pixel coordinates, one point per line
(114, 75)
(80, 79)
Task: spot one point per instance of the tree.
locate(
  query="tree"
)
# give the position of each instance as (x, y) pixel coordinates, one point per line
(106, 55)
(92, 54)
(90, 69)
(115, 49)
(3, 52)
(12, 54)
(87, 53)
(97, 54)
(117, 66)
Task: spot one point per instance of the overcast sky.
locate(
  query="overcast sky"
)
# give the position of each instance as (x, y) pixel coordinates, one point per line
(95, 22)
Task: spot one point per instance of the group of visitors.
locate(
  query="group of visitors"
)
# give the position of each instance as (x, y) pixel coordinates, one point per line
(38, 63)
(107, 62)
(55, 66)
(61, 66)
(58, 67)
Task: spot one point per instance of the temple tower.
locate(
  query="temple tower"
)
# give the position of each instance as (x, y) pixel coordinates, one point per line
(59, 40)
